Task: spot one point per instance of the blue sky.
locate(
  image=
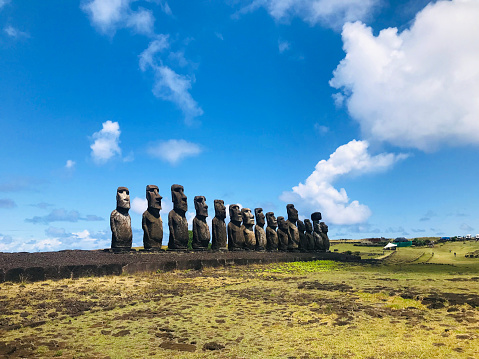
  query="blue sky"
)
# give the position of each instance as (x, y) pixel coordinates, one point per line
(365, 110)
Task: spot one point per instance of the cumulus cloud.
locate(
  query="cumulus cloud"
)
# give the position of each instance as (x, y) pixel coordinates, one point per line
(62, 215)
(169, 85)
(418, 88)
(319, 194)
(107, 142)
(174, 151)
(328, 13)
(110, 15)
(7, 203)
(139, 205)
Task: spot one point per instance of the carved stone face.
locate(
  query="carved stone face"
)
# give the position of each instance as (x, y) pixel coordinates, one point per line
(308, 225)
(292, 213)
(324, 227)
(220, 209)
(248, 218)
(153, 197)
(201, 206)
(272, 222)
(282, 224)
(259, 216)
(235, 213)
(179, 198)
(316, 216)
(123, 197)
(301, 226)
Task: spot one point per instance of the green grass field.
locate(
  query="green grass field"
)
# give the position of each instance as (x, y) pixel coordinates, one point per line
(412, 305)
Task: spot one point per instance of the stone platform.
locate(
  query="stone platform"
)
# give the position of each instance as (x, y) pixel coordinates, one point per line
(16, 267)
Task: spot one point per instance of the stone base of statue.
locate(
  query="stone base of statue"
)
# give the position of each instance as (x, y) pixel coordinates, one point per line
(152, 250)
(120, 250)
(179, 250)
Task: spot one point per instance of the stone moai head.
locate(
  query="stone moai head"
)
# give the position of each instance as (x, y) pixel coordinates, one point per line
(324, 227)
(258, 212)
(220, 209)
(248, 218)
(272, 222)
(179, 198)
(317, 227)
(153, 197)
(292, 213)
(301, 226)
(308, 226)
(282, 224)
(123, 198)
(235, 213)
(201, 206)
(316, 216)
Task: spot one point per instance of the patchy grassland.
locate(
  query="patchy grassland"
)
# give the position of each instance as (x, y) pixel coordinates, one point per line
(415, 305)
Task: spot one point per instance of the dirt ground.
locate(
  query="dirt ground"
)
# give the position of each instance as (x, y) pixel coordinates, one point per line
(319, 309)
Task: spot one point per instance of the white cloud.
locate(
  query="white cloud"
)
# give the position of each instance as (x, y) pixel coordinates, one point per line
(318, 193)
(12, 32)
(106, 143)
(70, 164)
(110, 15)
(219, 35)
(3, 3)
(322, 130)
(418, 88)
(139, 205)
(328, 13)
(283, 46)
(173, 151)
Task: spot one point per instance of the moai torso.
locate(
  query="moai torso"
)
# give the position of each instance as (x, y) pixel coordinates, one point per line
(236, 240)
(271, 235)
(219, 240)
(309, 235)
(318, 240)
(259, 233)
(282, 234)
(201, 231)
(324, 236)
(303, 241)
(247, 227)
(293, 233)
(177, 223)
(120, 221)
(151, 220)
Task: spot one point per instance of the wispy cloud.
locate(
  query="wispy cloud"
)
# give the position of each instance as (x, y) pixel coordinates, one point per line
(466, 227)
(174, 151)
(62, 215)
(3, 3)
(318, 192)
(283, 46)
(322, 130)
(13, 32)
(7, 203)
(70, 164)
(107, 142)
(428, 216)
(42, 205)
(20, 183)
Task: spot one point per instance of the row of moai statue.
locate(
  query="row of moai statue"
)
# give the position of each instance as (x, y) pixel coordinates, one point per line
(281, 234)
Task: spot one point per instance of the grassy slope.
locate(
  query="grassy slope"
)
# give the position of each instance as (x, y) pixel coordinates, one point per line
(295, 310)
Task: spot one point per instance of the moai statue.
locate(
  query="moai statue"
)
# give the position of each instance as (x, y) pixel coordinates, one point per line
(303, 241)
(247, 227)
(309, 234)
(271, 235)
(151, 221)
(177, 222)
(259, 232)
(282, 234)
(318, 240)
(219, 241)
(120, 221)
(235, 233)
(324, 236)
(293, 233)
(201, 231)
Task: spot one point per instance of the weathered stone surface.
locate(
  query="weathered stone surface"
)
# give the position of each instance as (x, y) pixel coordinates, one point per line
(324, 236)
(318, 240)
(201, 231)
(303, 241)
(120, 221)
(259, 232)
(293, 233)
(177, 223)
(219, 240)
(282, 234)
(271, 235)
(235, 233)
(309, 234)
(151, 221)
(248, 230)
